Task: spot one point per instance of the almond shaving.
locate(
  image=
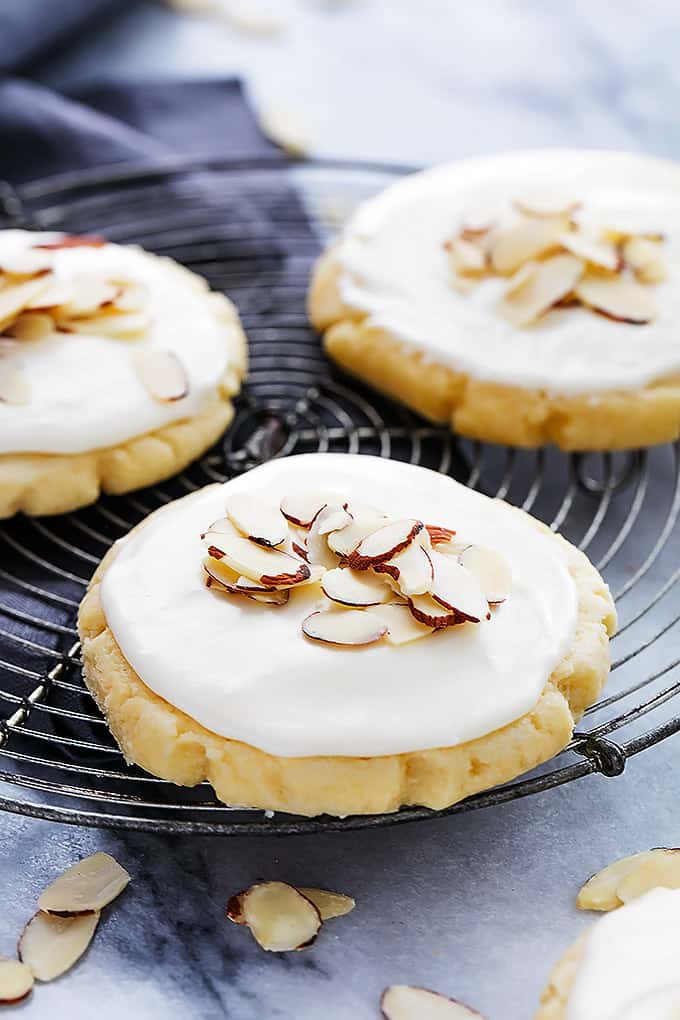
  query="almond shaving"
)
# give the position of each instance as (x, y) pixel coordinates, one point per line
(86, 887)
(52, 945)
(16, 981)
(406, 1002)
(539, 286)
(630, 877)
(280, 918)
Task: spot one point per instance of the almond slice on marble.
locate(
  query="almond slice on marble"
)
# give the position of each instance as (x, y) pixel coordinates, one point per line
(661, 868)
(31, 326)
(526, 240)
(279, 917)
(599, 253)
(51, 945)
(86, 887)
(26, 263)
(269, 567)
(15, 388)
(457, 589)
(617, 298)
(406, 1002)
(381, 545)
(14, 298)
(432, 614)
(351, 627)
(491, 571)
(117, 327)
(258, 520)
(538, 287)
(356, 588)
(411, 570)
(601, 890)
(402, 626)
(365, 520)
(546, 205)
(329, 904)
(16, 981)
(300, 508)
(645, 259)
(162, 374)
(330, 518)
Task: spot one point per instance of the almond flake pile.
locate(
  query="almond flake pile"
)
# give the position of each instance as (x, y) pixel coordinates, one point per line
(551, 261)
(282, 918)
(57, 936)
(35, 304)
(379, 578)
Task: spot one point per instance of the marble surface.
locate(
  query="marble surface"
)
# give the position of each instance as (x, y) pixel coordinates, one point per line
(478, 906)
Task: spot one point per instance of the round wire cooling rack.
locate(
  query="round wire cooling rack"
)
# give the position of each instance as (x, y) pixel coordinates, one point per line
(253, 229)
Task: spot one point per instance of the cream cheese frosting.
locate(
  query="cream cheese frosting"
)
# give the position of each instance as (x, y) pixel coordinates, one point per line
(629, 969)
(395, 270)
(85, 392)
(245, 671)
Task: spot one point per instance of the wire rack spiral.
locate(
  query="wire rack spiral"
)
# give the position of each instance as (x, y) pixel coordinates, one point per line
(253, 228)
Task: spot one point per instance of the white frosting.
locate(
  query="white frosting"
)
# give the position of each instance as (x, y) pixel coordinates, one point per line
(245, 671)
(85, 392)
(396, 270)
(629, 969)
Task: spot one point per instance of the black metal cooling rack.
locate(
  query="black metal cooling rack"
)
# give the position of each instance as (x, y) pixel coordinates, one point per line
(253, 228)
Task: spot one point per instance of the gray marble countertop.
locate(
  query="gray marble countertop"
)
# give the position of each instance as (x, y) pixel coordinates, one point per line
(478, 906)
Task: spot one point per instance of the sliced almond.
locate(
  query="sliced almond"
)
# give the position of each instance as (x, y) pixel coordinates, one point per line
(14, 298)
(258, 520)
(333, 519)
(55, 293)
(661, 868)
(89, 295)
(344, 627)
(402, 626)
(31, 326)
(601, 891)
(599, 253)
(405, 1002)
(280, 918)
(300, 508)
(329, 904)
(74, 241)
(14, 385)
(383, 544)
(491, 571)
(466, 258)
(538, 287)
(51, 945)
(617, 298)
(432, 614)
(269, 567)
(411, 569)
(354, 587)
(117, 327)
(130, 297)
(546, 205)
(26, 263)
(87, 886)
(162, 374)
(222, 526)
(526, 240)
(457, 589)
(16, 981)
(644, 258)
(438, 534)
(330, 518)
(365, 519)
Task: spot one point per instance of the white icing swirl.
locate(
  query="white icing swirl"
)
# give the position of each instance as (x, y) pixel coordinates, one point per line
(246, 672)
(629, 969)
(85, 392)
(395, 269)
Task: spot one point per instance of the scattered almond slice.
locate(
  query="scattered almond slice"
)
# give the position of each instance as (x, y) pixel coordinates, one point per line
(402, 627)
(354, 587)
(381, 545)
(269, 567)
(599, 253)
(617, 298)
(31, 326)
(26, 263)
(430, 613)
(405, 1002)
(491, 571)
(14, 385)
(457, 589)
(120, 326)
(280, 918)
(601, 891)
(411, 569)
(538, 286)
(526, 240)
(51, 945)
(344, 627)
(662, 868)
(302, 507)
(546, 205)
(162, 374)
(14, 298)
(330, 518)
(16, 981)
(329, 904)
(257, 520)
(365, 520)
(86, 887)
(644, 258)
